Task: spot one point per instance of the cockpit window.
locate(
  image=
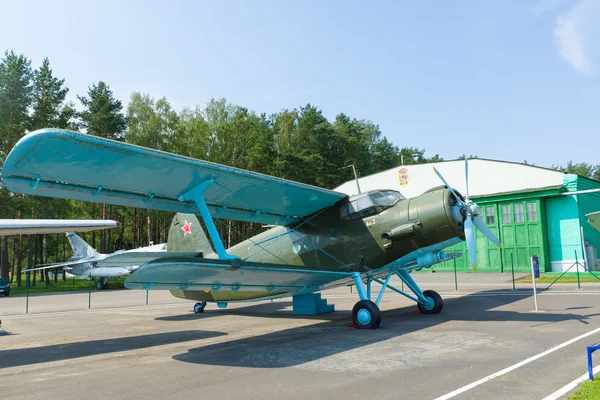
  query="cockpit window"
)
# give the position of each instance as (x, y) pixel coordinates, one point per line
(366, 204)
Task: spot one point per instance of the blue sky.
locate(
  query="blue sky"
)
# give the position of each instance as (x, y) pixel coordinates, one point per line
(510, 80)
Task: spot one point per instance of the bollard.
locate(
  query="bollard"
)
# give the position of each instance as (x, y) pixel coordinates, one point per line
(146, 296)
(577, 270)
(455, 280)
(27, 293)
(512, 267)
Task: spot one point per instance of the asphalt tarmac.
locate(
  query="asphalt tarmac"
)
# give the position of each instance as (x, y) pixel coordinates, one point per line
(486, 343)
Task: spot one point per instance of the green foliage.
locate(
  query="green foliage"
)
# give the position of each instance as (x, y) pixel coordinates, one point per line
(588, 390)
(15, 99)
(582, 169)
(48, 97)
(102, 115)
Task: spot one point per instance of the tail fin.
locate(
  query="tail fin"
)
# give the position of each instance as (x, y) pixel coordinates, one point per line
(80, 248)
(186, 234)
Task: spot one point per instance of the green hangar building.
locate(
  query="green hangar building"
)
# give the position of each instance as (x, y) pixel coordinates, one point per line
(532, 210)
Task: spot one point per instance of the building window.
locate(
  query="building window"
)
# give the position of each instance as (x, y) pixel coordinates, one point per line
(490, 216)
(531, 212)
(506, 215)
(519, 215)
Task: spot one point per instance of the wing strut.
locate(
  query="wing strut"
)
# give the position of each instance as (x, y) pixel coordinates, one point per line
(196, 194)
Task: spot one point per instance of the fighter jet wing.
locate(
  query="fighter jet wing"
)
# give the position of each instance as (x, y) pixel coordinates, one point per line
(594, 220)
(59, 265)
(66, 164)
(132, 258)
(40, 226)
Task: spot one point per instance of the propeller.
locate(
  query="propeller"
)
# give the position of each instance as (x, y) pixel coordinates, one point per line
(472, 213)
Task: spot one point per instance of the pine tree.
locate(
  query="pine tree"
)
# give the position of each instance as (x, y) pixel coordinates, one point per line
(48, 97)
(102, 115)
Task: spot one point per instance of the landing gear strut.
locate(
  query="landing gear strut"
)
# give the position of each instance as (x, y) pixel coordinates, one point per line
(199, 307)
(102, 283)
(366, 314)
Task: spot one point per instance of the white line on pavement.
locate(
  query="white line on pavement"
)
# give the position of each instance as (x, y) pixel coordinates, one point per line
(92, 311)
(570, 386)
(515, 366)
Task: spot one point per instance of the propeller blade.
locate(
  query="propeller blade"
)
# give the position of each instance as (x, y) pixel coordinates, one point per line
(486, 231)
(467, 177)
(470, 239)
(448, 186)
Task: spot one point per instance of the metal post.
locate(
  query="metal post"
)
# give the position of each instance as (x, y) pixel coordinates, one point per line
(455, 280)
(585, 259)
(577, 270)
(90, 291)
(534, 287)
(146, 296)
(27, 293)
(512, 267)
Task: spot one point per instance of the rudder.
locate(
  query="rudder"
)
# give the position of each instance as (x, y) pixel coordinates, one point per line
(80, 248)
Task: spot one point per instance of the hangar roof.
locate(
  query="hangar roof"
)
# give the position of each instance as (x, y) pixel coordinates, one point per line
(486, 177)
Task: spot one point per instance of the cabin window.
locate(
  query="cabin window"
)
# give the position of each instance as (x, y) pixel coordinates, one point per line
(367, 204)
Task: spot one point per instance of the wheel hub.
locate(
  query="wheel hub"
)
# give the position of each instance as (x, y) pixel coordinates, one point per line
(363, 316)
(429, 304)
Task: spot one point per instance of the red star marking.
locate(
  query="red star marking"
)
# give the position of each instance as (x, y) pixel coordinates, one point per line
(186, 228)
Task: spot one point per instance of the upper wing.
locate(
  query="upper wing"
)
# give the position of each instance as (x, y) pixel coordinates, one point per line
(35, 226)
(66, 164)
(594, 220)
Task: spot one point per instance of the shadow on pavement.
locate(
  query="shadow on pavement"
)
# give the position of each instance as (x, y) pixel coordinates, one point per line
(304, 344)
(68, 351)
(264, 310)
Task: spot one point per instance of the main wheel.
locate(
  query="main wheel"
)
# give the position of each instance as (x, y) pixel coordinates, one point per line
(199, 307)
(366, 315)
(99, 285)
(435, 303)
(105, 284)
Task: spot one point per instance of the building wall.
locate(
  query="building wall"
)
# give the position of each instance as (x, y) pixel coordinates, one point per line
(564, 237)
(588, 203)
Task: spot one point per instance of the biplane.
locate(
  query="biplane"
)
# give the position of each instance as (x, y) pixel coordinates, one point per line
(321, 238)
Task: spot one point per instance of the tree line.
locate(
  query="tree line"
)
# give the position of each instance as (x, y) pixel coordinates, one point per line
(299, 144)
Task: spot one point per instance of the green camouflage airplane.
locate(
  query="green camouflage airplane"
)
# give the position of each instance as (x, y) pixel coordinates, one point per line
(324, 238)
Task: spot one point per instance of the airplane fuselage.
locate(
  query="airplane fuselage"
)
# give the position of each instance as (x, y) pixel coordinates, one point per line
(336, 240)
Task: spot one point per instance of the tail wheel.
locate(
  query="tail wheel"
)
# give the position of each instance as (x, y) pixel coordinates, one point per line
(366, 315)
(199, 307)
(435, 303)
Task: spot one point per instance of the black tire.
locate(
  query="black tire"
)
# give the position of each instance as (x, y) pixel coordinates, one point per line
(366, 315)
(105, 284)
(6, 294)
(199, 307)
(438, 302)
(99, 285)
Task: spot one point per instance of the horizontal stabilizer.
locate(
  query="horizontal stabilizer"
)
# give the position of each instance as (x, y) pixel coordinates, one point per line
(214, 274)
